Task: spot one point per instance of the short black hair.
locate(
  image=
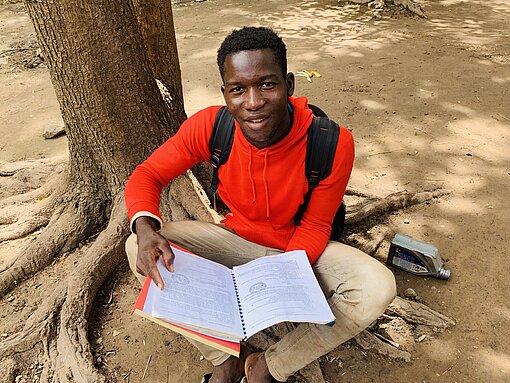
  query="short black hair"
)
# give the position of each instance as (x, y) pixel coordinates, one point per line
(253, 38)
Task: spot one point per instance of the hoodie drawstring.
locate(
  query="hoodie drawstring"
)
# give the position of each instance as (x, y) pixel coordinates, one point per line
(264, 178)
(265, 185)
(251, 179)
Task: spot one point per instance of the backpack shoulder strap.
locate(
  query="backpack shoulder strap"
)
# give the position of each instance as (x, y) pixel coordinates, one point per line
(220, 145)
(320, 152)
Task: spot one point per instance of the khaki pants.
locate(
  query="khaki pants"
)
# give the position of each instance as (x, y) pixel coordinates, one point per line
(358, 289)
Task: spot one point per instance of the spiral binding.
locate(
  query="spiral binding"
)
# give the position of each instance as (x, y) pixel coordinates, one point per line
(239, 305)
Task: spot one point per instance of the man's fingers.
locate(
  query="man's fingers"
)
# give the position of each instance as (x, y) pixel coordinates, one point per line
(168, 257)
(153, 272)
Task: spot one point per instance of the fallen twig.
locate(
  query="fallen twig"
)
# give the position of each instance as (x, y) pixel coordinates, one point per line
(13, 50)
(423, 131)
(394, 344)
(376, 154)
(111, 293)
(448, 369)
(505, 117)
(146, 366)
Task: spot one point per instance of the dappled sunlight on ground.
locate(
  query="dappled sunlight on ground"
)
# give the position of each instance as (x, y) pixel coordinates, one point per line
(337, 30)
(427, 102)
(495, 363)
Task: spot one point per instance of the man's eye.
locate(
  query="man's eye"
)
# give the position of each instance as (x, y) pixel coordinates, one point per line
(237, 89)
(268, 85)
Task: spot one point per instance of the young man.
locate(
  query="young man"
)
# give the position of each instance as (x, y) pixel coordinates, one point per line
(263, 183)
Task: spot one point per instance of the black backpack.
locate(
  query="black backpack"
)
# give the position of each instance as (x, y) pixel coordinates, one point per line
(320, 152)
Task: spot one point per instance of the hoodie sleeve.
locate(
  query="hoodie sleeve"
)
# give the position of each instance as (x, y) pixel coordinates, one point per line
(178, 154)
(313, 233)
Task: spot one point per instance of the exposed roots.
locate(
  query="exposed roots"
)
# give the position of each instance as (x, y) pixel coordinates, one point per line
(368, 341)
(20, 220)
(189, 200)
(374, 240)
(370, 242)
(76, 215)
(63, 233)
(20, 177)
(409, 5)
(418, 313)
(60, 323)
(393, 202)
(23, 214)
(360, 193)
(40, 193)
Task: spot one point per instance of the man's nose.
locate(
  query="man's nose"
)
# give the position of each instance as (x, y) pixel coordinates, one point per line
(254, 100)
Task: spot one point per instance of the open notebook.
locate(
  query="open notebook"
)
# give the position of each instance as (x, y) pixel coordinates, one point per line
(220, 307)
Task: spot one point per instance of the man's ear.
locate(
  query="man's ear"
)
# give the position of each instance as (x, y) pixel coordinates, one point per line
(222, 88)
(290, 80)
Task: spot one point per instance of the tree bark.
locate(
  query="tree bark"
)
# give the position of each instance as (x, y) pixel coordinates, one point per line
(157, 27)
(110, 102)
(115, 117)
(113, 112)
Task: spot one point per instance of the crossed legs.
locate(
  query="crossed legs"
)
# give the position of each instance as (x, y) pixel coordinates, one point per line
(358, 289)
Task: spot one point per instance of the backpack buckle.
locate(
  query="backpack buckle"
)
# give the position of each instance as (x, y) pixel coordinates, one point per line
(215, 161)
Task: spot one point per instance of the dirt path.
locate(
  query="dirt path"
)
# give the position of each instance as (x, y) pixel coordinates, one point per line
(428, 103)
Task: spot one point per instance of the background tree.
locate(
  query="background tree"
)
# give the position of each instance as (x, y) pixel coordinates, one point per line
(106, 60)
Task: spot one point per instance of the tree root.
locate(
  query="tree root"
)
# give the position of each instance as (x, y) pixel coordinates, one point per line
(402, 311)
(392, 202)
(20, 177)
(23, 214)
(63, 232)
(44, 191)
(353, 191)
(410, 5)
(369, 341)
(75, 219)
(418, 313)
(60, 323)
(22, 220)
(371, 242)
(29, 211)
(192, 200)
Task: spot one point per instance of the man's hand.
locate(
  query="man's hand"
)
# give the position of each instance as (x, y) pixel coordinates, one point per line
(152, 245)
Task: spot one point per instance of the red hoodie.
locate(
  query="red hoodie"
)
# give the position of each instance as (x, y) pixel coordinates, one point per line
(263, 188)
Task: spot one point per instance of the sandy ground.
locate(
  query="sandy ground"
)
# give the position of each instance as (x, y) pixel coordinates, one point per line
(428, 104)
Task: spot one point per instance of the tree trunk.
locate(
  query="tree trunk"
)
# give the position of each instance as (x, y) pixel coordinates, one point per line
(113, 111)
(157, 26)
(115, 117)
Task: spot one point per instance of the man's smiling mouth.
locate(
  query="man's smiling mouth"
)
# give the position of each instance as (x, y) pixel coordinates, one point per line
(256, 122)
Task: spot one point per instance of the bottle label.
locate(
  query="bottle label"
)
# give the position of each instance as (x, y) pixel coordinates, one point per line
(407, 261)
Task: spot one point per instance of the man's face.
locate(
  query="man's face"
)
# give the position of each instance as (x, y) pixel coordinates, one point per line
(256, 91)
